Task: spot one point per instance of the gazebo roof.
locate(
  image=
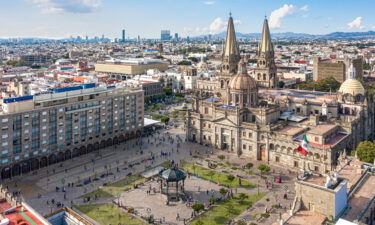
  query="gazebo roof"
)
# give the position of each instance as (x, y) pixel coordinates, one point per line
(172, 174)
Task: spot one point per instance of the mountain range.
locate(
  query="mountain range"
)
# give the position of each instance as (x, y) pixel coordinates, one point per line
(299, 36)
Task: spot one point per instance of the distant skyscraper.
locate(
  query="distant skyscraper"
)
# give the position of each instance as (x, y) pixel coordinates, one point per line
(165, 35)
(123, 35)
(176, 36)
(87, 38)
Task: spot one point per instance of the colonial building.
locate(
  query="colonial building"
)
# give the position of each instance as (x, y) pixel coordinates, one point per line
(268, 124)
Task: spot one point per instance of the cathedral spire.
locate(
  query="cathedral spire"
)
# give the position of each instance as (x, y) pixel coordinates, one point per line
(231, 47)
(265, 45)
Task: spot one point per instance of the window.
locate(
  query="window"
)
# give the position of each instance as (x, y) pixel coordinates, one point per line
(5, 144)
(205, 110)
(5, 136)
(250, 135)
(244, 146)
(244, 134)
(316, 168)
(277, 159)
(316, 139)
(4, 120)
(250, 148)
(296, 164)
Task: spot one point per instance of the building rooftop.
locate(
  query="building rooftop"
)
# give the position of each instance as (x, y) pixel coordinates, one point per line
(306, 218)
(322, 129)
(290, 130)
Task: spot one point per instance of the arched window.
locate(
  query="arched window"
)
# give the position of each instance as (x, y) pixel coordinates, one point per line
(222, 83)
(258, 76)
(264, 76)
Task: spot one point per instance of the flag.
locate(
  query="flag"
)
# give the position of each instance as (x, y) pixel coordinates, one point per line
(304, 147)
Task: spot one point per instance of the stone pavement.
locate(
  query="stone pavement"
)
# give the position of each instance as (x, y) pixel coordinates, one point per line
(81, 168)
(155, 204)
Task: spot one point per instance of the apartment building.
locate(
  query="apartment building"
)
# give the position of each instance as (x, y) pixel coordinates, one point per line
(40, 130)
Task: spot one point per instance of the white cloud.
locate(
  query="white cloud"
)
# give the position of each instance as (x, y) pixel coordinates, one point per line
(356, 23)
(71, 6)
(278, 14)
(304, 8)
(217, 26)
(209, 2)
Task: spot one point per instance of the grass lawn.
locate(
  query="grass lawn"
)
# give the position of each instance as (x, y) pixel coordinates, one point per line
(215, 176)
(109, 214)
(227, 210)
(111, 190)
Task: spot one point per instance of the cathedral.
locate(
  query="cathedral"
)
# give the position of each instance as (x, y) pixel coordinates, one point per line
(248, 115)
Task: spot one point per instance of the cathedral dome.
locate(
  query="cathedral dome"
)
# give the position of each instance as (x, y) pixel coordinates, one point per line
(351, 85)
(242, 81)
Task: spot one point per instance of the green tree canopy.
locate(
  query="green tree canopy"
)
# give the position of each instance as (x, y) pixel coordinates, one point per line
(197, 207)
(324, 85)
(366, 151)
(164, 119)
(184, 63)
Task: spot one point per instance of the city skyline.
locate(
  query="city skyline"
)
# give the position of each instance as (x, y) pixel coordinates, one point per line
(61, 19)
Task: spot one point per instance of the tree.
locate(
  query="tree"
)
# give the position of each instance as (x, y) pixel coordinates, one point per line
(223, 191)
(241, 222)
(366, 151)
(242, 197)
(263, 168)
(212, 200)
(193, 59)
(197, 207)
(249, 165)
(221, 157)
(281, 84)
(165, 119)
(184, 63)
(230, 177)
(199, 222)
(167, 91)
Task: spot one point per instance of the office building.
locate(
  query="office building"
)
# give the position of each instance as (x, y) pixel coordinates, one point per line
(165, 35)
(124, 69)
(48, 128)
(336, 68)
(123, 36)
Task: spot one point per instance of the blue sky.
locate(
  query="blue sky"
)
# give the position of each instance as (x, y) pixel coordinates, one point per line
(63, 18)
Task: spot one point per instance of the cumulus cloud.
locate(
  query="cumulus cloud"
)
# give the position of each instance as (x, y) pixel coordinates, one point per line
(209, 2)
(217, 26)
(304, 8)
(278, 14)
(356, 23)
(70, 6)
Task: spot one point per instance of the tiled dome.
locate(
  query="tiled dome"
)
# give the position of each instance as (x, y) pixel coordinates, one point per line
(242, 81)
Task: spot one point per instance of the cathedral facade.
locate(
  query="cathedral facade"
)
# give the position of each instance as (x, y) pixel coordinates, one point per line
(249, 116)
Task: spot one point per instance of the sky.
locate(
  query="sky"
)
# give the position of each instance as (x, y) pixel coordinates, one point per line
(65, 18)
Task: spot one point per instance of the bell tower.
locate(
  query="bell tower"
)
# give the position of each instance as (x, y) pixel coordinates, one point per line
(265, 71)
(230, 57)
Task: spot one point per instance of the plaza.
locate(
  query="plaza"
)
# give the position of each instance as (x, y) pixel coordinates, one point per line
(109, 176)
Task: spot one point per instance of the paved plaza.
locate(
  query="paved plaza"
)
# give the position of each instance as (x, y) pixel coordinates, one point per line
(40, 189)
(155, 203)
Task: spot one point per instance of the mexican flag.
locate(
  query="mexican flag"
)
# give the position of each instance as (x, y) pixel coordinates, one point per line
(304, 147)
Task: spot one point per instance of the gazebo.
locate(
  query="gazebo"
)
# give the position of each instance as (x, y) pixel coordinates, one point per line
(172, 183)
